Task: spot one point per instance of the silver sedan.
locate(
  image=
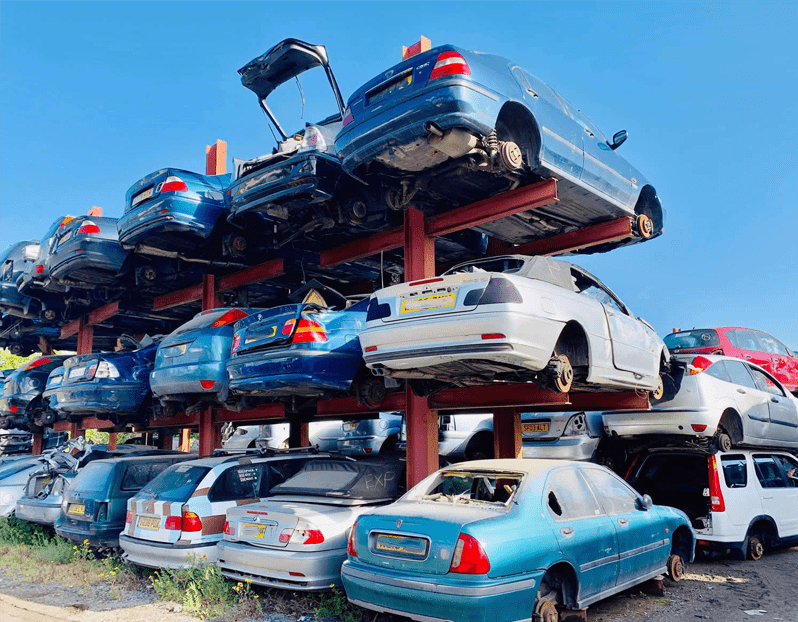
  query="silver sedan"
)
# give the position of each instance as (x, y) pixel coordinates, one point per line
(511, 319)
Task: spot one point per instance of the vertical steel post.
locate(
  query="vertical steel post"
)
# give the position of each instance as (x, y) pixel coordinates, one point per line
(507, 433)
(210, 434)
(298, 434)
(422, 423)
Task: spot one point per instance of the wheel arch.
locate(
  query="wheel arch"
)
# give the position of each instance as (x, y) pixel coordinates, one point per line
(516, 122)
(765, 525)
(563, 577)
(648, 203)
(574, 338)
(683, 543)
(731, 421)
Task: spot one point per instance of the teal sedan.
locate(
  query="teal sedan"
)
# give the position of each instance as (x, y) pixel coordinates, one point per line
(506, 540)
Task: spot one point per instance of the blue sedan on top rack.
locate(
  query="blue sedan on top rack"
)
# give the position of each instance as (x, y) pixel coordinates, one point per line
(448, 126)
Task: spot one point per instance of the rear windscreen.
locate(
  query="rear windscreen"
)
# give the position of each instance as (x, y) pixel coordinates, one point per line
(704, 338)
(94, 477)
(201, 321)
(175, 484)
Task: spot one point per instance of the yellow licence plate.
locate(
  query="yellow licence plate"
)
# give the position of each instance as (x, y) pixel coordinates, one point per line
(427, 303)
(77, 508)
(531, 428)
(256, 531)
(147, 522)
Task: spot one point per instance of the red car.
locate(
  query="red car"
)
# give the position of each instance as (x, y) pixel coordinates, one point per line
(743, 343)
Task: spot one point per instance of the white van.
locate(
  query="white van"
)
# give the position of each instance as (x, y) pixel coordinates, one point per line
(742, 501)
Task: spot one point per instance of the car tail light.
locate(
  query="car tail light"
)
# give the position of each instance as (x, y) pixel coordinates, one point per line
(309, 331)
(174, 522)
(39, 269)
(312, 139)
(698, 365)
(13, 409)
(698, 427)
(207, 384)
(493, 336)
(229, 529)
(88, 228)
(715, 494)
(173, 184)
(426, 281)
(307, 536)
(236, 343)
(233, 315)
(191, 521)
(129, 517)
(449, 64)
(102, 512)
(371, 349)
(348, 118)
(500, 291)
(469, 557)
(288, 326)
(351, 543)
(106, 370)
(42, 360)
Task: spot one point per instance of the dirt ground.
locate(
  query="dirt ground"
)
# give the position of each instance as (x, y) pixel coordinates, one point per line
(721, 590)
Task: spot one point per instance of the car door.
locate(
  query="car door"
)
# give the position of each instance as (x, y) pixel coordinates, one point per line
(783, 364)
(633, 348)
(782, 408)
(751, 402)
(561, 139)
(789, 467)
(748, 347)
(779, 500)
(584, 533)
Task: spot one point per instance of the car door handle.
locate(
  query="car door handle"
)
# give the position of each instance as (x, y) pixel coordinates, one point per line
(567, 532)
(748, 356)
(775, 400)
(741, 391)
(623, 522)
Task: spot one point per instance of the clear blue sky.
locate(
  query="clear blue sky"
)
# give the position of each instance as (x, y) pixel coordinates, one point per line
(94, 96)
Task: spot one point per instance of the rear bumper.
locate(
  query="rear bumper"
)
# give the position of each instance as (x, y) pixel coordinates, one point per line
(38, 512)
(185, 379)
(98, 262)
(174, 214)
(272, 567)
(492, 600)
(105, 398)
(167, 555)
(568, 448)
(662, 422)
(100, 536)
(364, 446)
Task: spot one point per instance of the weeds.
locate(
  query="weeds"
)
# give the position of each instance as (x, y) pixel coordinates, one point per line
(14, 531)
(333, 605)
(202, 590)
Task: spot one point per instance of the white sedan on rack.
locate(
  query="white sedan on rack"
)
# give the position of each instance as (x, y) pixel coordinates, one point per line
(511, 319)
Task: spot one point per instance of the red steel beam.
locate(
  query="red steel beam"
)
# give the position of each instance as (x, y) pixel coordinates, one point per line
(255, 274)
(85, 337)
(498, 395)
(493, 208)
(106, 312)
(602, 233)
(67, 330)
(210, 299)
(93, 423)
(385, 241)
(345, 406)
(180, 420)
(180, 297)
(259, 413)
(610, 401)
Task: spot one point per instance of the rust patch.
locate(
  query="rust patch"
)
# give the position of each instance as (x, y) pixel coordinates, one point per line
(200, 492)
(167, 508)
(213, 524)
(246, 501)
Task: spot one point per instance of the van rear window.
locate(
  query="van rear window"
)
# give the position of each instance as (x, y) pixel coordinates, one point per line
(734, 471)
(176, 484)
(94, 477)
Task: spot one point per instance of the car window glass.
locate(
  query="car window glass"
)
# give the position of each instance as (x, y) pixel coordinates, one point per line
(238, 482)
(272, 474)
(94, 477)
(136, 476)
(765, 382)
(789, 466)
(176, 484)
(768, 472)
(744, 339)
(771, 344)
(615, 496)
(569, 497)
(7, 270)
(591, 289)
(718, 370)
(705, 338)
(734, 471)
(738, 373)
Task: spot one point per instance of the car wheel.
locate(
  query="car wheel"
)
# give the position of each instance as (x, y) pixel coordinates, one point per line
(675, 567)
(425, 388)
(645, 226)
(657, 394)
(754, 549)
(724, 441)
(546, 611)
(564, 378)
(370, 392)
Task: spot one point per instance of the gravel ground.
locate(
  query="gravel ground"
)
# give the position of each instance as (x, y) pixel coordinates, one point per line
(720, 590)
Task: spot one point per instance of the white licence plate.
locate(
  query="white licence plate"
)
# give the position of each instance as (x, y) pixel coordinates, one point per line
(147, 522)
(141, 197)
(426, 303)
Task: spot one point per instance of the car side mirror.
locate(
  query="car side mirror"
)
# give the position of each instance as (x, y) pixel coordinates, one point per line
(618, 139)
(644, 503)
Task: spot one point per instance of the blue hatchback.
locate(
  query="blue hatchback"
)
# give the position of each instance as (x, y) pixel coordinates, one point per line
(449, 126)
(12, 265)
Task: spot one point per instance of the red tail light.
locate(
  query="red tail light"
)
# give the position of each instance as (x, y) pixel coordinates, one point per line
(698, 365)
(88, 228)
(698, 427)
(191, 522)
(228, 529)
(351, 543)
(715, 494)
(371, 349)
(469, 557)
(425, 282)
(174, 184)
(449, 64)
(233, 315)
(129, 517)
(39, 269)
(13, 409)
(236, 343)
(207, 384)
(288, 326)
(42, 360)
(493, 336)
(174, 522)
(309, 331)
(313, 536)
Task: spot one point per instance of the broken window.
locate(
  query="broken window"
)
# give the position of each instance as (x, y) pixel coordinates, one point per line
(570, 498)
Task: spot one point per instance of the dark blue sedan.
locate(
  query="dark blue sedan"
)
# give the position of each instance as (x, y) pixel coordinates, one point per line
(449, 126)
(12, 264)
(21, 404)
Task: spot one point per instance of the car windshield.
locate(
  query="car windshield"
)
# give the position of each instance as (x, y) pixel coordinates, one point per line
(473, 487)
(176, 484)
(506, 264)
(704, 338)
(93, 478)
(203, 320)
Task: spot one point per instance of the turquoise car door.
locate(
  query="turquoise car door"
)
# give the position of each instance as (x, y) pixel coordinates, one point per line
(643, 544)
(586, 536)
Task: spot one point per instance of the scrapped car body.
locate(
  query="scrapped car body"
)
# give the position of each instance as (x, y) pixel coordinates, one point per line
(309, 349)
(323, 435)
(717, 401)
(750, 345)
(107, 385)
(370, 436)
(511, 319)
(743, 501)
(503, 540)
(15, 441)
(450, 126)
(191, 363)
(297, 538)
(176, 520)
(95, 506)
(564, 436)
(12, 265)
(21, 404)
(175, 211)
(87, 254)
(36, 275)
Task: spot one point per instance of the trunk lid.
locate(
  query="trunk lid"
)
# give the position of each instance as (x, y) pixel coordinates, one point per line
(149, 188)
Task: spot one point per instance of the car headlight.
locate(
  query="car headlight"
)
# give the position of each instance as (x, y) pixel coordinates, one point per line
(6, 498)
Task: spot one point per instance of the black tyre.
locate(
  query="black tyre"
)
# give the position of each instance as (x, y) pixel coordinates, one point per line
(724, 441)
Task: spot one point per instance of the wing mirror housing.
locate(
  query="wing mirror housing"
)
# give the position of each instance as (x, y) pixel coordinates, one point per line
(618, 139)
(644, 503)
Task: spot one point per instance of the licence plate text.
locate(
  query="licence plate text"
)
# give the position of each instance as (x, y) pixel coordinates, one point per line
(531, 428)
(77, 508)
(426, 303)
(147, 522)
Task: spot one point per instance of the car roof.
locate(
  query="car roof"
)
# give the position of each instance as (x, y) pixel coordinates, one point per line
(247, 458)
(523, 465)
